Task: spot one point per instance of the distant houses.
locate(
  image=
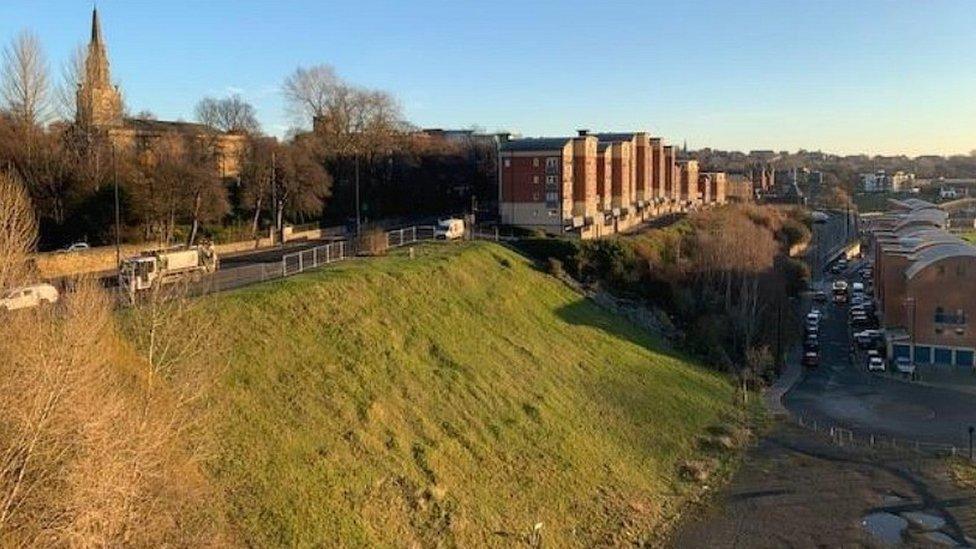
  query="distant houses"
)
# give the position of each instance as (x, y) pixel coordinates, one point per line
(596, 184)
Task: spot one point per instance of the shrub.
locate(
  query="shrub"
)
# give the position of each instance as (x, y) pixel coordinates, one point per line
(372, 242)
(541, 249)
(555, 267)
(793, 232)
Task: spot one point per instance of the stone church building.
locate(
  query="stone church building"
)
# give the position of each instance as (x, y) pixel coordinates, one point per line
(100, 113)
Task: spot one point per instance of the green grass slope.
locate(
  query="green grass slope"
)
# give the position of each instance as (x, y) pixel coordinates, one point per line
(457, 398)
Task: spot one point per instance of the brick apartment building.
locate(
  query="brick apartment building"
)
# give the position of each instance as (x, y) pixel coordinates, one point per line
(592, 185)
(657, 195)
(713, 188)
(924, 285)
(550, 184)
(689, 182)
(672, 177)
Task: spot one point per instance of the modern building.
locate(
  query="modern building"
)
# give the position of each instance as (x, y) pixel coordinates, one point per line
(550, 184)
(688, 182)
(924, 285)
(672, 178)
(713, 187)
(658, 196)
(99, 114)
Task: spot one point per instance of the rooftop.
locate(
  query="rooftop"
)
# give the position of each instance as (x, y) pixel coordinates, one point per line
(536, 144)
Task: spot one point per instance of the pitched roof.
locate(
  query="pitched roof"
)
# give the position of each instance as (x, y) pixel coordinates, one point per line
(536, 144)
(621, 136)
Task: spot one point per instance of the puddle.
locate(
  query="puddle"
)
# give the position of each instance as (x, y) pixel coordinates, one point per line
(925, 521)
(885, 527)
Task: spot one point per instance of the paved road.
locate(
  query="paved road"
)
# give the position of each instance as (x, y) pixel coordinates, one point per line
(845, 394)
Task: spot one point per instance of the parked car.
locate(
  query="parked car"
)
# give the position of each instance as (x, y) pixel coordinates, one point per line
(75, 247)
(28, 296)
(810, 359)
(876, 364)
(820, 296)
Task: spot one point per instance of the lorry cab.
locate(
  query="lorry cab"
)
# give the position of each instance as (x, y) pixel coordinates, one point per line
(137, 273)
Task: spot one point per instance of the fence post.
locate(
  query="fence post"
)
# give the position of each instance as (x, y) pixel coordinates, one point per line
(301, 266)
(284, 266)
(315, 256)
(872, 441)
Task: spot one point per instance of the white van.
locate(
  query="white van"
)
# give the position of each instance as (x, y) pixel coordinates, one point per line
(449, 229)
(28, 296)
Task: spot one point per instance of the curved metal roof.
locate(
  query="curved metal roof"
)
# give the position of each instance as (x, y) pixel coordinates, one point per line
(933, 254)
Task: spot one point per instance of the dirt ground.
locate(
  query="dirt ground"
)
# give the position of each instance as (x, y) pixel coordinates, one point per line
(797, 489)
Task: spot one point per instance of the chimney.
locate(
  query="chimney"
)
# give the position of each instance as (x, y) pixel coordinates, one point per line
(504, 137)
(583, 133)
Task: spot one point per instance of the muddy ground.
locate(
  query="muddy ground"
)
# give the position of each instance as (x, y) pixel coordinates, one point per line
(798, 489)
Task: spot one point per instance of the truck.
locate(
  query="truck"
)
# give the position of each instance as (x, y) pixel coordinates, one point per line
(153, 268)
(449, 229)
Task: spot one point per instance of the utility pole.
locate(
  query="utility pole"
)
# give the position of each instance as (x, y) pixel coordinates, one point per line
(279, 232)
(118, 219)
(359, 220)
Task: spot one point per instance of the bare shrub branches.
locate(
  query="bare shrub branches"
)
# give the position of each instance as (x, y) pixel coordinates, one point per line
(93, 438)
(24, 83)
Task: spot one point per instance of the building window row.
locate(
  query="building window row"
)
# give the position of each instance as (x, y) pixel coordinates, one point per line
(942, 317)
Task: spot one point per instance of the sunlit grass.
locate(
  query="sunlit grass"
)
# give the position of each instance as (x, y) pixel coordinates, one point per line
(461, 397)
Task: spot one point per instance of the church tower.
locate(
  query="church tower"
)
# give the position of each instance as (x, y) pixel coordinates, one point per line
(99, 103)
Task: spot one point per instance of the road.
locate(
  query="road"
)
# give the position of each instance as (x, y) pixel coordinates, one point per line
(846, 395)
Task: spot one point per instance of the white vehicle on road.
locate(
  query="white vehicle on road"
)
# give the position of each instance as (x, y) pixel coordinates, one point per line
(28, 296)
(75, 247)
(876, 364)
(449, 229)
(158, 267)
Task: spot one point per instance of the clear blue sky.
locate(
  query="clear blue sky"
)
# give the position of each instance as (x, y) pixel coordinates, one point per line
(841, 76)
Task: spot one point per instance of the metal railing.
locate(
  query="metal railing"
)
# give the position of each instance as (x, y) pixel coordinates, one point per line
(312, 258)
(843, 436)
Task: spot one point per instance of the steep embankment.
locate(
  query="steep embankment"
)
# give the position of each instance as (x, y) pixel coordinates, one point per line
(461, 396)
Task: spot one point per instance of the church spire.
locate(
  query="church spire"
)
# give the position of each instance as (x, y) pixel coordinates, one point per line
(96, 36)
(99, 103)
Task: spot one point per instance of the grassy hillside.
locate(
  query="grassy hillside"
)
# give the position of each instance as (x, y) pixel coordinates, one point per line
(460, 397)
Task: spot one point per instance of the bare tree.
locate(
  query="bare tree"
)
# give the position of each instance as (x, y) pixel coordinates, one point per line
(24, 82)
(72, 73)
(310, 92)
(299, 183)
(231, 114)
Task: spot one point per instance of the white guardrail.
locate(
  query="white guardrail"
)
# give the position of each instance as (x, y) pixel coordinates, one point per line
(304, 260)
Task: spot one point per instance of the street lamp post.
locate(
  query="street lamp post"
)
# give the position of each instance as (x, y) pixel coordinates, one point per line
(118, 219)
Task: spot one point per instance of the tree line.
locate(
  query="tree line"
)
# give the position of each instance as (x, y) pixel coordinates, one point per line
(172, 189)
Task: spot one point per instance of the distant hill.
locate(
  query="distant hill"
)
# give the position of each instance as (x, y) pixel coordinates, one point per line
(460, 397)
